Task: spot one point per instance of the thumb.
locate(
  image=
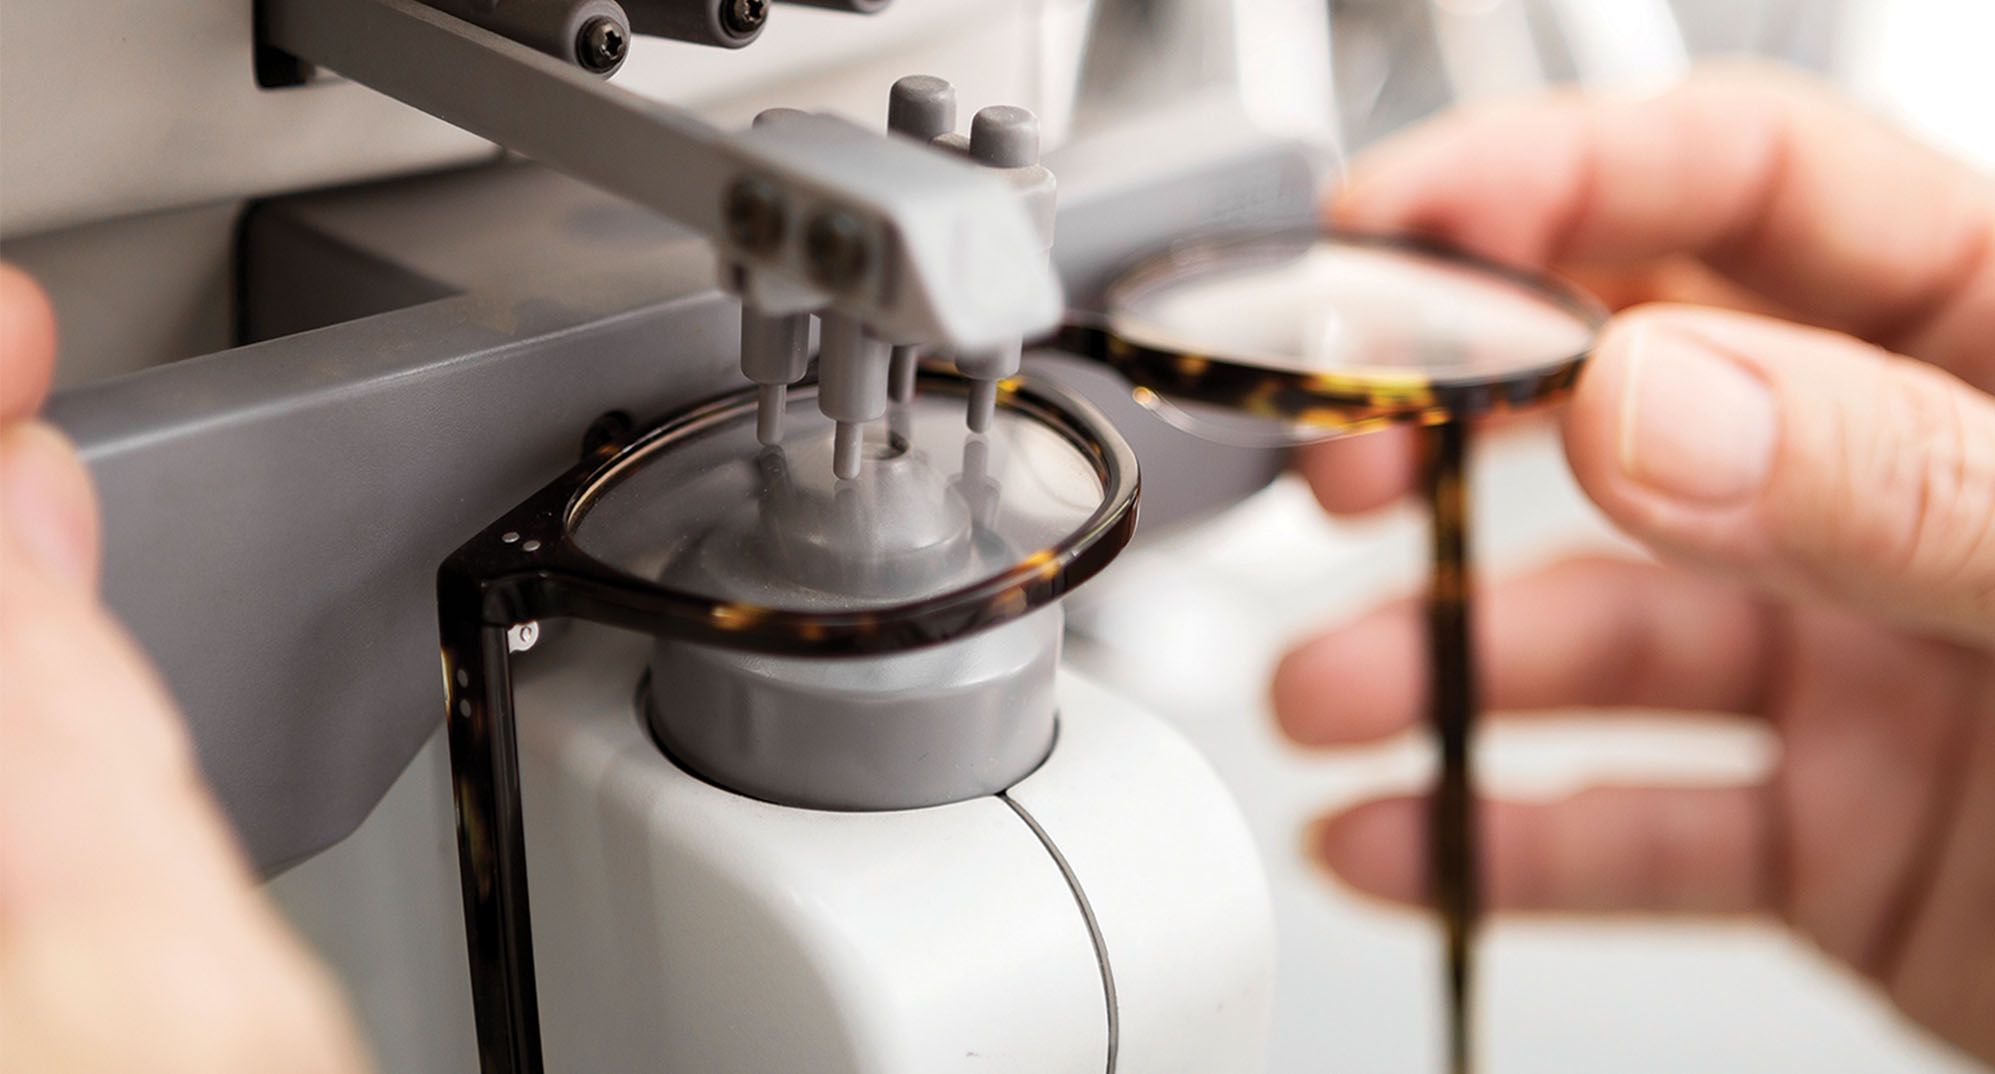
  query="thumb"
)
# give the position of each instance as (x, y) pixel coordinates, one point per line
(48, 510)
(1799, 460)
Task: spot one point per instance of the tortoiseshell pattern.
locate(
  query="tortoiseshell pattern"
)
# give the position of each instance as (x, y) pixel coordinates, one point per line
(1453, 881)
(1337, 402)
(1333, 403)
(1349, 402)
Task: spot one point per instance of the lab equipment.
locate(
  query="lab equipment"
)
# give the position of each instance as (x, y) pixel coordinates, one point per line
(1034, 875)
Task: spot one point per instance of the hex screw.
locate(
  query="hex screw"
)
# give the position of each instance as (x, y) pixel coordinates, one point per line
(602, 44)
(753, 212)
(835, 249)
(743, 17)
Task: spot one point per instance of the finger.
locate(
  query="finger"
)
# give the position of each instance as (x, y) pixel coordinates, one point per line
(95, 741)
(122, 894)
(1354, 474)
(1668, 279)
(1766, 177)
(1943, 970)
(48, 508)
(1796, 459)
(1604, 849)
(1592, 633)
(27, 345)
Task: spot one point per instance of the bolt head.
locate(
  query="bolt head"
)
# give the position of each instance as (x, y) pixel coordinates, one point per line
(835, 249)
(602, 44)
(743, 17)
(753, 212)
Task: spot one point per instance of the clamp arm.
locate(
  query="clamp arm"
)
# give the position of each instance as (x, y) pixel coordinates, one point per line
(915, 245)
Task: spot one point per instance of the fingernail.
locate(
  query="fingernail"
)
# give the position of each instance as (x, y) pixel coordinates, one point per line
(1695, 424)
(44, 501)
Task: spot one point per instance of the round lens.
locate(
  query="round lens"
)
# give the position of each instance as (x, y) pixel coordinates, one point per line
(962, 527)
(1277, 337)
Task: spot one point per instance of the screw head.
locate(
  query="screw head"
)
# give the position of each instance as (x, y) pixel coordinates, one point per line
(743, 17)
(835, 249)
(753, 212)
(602, 44)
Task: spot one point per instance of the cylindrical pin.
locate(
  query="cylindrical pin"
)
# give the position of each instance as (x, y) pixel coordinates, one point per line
(900, 375)
(770, 401)
(775, 349)
(921, 106)
(847, 438)
(983, 405)
(1005, 136)
(852, 384)
(774, 354)
(985, 369)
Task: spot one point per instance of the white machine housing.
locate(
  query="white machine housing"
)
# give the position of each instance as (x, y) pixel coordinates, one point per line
(1106, 913)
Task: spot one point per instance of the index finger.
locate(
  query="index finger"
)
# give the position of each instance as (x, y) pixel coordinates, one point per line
(27, 345)
(1768, 178)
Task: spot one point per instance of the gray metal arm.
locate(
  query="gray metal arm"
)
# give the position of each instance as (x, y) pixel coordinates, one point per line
(915, 245)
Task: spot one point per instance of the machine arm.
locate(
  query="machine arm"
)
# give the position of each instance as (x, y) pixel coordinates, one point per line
(821, 212)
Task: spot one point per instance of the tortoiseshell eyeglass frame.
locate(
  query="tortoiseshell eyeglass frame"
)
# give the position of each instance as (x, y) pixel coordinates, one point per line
(1339, 403)
(1330, 403)
(527, 567)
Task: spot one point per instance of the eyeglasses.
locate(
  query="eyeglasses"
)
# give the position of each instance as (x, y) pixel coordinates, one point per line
(1285, 336)
(1045, 499)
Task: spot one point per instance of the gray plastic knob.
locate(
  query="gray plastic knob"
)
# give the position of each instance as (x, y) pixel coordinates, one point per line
(1005, 136)
(921, 106)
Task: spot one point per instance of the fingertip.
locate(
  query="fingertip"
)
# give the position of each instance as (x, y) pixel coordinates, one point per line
(1374, 847)
(1593, 414)
(1351, 685)
(1389, 183)
(1501, 180)
(1291, 693)
(1357, 474)
(1674, 436)
(27, 344)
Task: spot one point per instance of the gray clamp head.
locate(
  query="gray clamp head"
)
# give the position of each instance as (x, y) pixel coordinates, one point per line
(918, 247)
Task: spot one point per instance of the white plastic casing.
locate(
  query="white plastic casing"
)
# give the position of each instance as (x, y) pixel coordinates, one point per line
(681, 927)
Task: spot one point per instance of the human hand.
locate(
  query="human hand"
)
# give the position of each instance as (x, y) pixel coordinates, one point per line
(132, 936)
(1826, 505)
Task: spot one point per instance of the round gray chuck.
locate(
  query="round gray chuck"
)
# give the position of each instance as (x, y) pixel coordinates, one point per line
(927, 727)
